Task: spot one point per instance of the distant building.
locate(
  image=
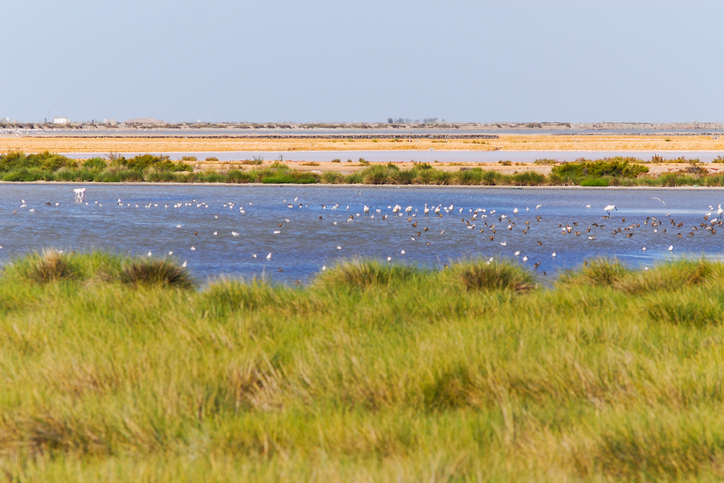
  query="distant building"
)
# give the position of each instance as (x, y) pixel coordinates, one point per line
(61, 120)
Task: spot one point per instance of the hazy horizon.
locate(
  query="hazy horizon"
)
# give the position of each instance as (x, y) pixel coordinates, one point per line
(345, 62)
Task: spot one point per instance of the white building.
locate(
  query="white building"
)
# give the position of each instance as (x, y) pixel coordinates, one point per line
(61, 120)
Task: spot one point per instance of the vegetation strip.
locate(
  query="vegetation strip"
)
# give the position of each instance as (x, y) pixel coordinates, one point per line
(159, 169)
(118, 368)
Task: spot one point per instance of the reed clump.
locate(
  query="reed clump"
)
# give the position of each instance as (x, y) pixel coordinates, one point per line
(46, 267)
(359, 273)
(495, 275)
(154, 272)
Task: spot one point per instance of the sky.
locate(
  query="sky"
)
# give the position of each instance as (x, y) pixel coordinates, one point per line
(362, 61)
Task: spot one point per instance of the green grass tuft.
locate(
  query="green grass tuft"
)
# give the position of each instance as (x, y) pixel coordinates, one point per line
(367, 273)
(496, 275)
(45, 267)
(150, 272)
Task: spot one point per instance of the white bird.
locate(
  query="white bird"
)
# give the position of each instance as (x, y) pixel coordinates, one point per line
(170, 252)
(643, 249)
(268, 257)
(366, 209)
(553, 254)
(515, 211)
(324, 267)
(233, 233)
(517, 253)
(719, 210)
(609, 208)
(588, 206)
(253, 255)
(408, 209)
(184, 264)
(389, 259)
(671, 248)
(339, 247)
(193, 249)
(525, 259)
(659, 199)
(502, 244)
(402, 252)
(426, 210)
(149, 253)
(538, 206)
(276, 232)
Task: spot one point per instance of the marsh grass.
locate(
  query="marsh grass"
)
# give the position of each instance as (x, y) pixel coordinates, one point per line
(371, 372)
(667, 276)
(150, 272)
(52, 265)
(357, 273)
(495, 275)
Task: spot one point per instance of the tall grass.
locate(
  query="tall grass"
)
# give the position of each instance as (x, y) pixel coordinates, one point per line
(373, 371)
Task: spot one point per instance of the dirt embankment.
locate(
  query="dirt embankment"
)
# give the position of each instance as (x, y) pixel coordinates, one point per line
(505, 142)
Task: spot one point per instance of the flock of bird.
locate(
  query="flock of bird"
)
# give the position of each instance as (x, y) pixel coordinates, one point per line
(520, 233)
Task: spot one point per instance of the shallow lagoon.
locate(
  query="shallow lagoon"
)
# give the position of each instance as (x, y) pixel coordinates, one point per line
(318, 234)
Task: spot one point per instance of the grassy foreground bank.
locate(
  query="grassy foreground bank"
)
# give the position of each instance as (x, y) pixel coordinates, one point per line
(120, 370)
(159, 169)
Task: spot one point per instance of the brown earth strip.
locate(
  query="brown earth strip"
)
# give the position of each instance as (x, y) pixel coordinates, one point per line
(35, 144)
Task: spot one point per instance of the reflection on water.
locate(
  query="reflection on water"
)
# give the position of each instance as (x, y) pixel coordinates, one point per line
(331, 225)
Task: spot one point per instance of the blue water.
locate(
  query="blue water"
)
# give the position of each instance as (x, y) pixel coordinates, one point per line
(309, 236)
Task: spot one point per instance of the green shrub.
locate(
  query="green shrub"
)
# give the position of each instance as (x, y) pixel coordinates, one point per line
(289, 178)
(613, 167)
(594, 182)
(529, 178)
(239, 176)
(377, 174)
(95, 164)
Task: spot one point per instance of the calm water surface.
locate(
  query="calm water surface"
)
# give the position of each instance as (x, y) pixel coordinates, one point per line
(331, 225)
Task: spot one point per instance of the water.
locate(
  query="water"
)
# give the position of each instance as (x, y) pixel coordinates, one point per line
(419, 155)
(309, 237)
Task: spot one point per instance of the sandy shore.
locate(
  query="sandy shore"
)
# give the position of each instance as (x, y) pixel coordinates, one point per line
(518, 142)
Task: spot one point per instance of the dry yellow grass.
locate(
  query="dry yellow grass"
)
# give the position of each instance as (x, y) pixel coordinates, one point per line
(517, 142)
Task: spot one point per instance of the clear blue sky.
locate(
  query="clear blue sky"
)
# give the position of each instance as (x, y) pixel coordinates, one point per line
(305, 61)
